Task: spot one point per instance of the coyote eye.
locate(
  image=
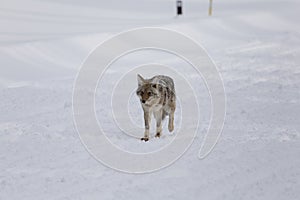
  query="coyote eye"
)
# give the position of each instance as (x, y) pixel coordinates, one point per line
(140, 93)
(150, 93)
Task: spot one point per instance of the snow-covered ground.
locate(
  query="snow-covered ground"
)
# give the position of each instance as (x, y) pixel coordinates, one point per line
(255, 45)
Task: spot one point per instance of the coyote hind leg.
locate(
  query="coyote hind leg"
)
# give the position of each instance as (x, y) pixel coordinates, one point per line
(158, 116)
(171, 120)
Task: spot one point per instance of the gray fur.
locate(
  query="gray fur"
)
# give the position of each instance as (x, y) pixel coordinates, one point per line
(158, 97)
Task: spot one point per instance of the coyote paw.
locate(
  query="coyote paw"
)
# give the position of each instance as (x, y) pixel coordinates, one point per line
(145, 139)
(171, 127)
(157, 135)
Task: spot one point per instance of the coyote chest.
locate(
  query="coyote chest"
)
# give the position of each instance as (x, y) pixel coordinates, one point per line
(157, 96)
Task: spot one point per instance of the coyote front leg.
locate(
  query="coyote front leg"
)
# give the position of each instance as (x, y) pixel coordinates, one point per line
(147, 118)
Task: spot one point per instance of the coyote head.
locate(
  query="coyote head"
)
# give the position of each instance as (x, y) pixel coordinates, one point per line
(147, 91)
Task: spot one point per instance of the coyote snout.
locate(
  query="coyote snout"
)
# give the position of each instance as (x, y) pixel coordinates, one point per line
(157, 96)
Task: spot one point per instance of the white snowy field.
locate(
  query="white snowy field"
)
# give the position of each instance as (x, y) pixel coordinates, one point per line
(256, 47)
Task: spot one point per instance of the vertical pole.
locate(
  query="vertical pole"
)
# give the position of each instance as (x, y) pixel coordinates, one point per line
(210, 8)
(179, 7)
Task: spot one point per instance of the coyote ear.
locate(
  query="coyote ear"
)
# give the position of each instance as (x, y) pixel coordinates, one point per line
(154, 80)
(140, 80)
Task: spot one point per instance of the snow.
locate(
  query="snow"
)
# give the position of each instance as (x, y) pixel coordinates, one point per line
(256, 47)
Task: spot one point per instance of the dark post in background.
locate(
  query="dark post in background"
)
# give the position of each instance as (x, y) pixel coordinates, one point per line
(179, 7)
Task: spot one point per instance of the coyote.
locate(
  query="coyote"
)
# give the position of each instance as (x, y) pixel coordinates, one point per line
(157, 96)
